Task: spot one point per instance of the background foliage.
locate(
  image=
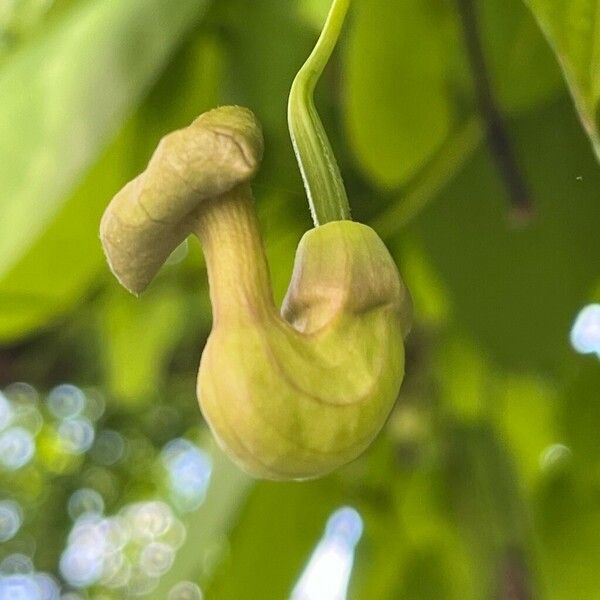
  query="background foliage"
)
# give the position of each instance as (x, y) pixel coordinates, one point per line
(486, 481)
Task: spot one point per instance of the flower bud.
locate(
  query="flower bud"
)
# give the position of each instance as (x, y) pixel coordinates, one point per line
(294, 398)
(291, 395)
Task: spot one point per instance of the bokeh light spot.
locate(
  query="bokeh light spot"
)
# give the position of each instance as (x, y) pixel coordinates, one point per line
(66, 401)
(95, 403)
(189, 470)
(19, 587)
(108, 448)
(17, 448)
(117, 571)
(327, 574)
(585, 333)
(11, 519)
(175, 535)
(555, 456)
(30, 418)
(21, 393)
(81, 564)
(185, 590)
(85, 501)
(16, 564)
(149, 520)
(76, 435)
(156, 558)
(140, 583)
(6, 412)
(49, 588)
(346, 526)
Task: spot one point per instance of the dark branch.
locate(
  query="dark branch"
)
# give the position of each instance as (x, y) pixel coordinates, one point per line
(513, 578)
(497, 133)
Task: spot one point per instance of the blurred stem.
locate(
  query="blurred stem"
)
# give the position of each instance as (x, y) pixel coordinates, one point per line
(487, 501)
(497, 134)
(320, 172)
(436, 175)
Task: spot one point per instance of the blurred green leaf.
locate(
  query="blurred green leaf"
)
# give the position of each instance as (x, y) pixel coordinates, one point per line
(572, 28)
(314, 11)
(64, 96)
(465, 378)
(427, 577)
(437, 563)
(430, 299)
(434, 177)
(50, 276)
(568, 521)
(526, 409)
(260, 73)
(514, 290)
(286, 520)
(397, 108)
(580, 416)
(208, 527)
(64, 259)
(23, 18)
(566, 500)
(140, 334)
(283, 520)
(521, 65)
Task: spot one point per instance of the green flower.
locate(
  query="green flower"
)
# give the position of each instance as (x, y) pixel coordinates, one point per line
(291, 395)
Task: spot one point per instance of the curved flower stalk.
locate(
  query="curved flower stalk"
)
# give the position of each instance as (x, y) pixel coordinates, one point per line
(291, 394)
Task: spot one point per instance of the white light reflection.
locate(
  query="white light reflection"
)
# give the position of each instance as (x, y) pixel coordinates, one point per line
(6, 412)
(140, 583)
(49, 589)
(81, 564)
(16, 564)
(130, 550)
(117, 571)
(149, 520)
(29, 586)
(108, 448)
(11, 519)
(17, 448)
(95, 404)
(585, 333)
(66, 401)
(189, 470)
(156, 559)
(185, 590)
(92, 543)
(21, 393)
(28, 417)
(19, 581)
(555, 456)
(176, 534)
(85, 501)
(19, 587)
(327, 574)
(76, 435)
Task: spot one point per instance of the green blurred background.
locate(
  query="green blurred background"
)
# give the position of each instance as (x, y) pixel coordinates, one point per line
(485, 484)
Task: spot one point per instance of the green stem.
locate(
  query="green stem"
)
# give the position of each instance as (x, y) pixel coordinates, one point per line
(320, 172)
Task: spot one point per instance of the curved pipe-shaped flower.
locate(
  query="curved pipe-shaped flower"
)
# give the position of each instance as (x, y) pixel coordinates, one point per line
(291, 395)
